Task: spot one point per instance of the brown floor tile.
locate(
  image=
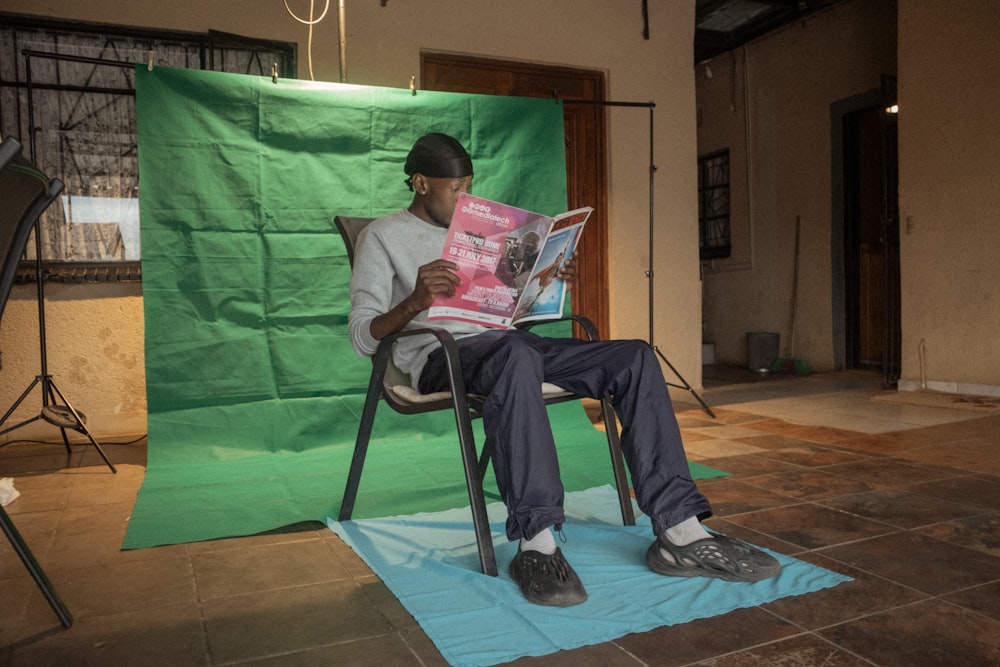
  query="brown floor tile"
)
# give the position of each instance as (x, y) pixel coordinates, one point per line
(606, 655)
(975, 456)
(822, 434)
(95, 518)
(17, 592)
(37, 531)
(813, 456)
(266, 567)
(83, 550)
(706, 638)
(729, 497)
(275, 622)
(919, 561)
(778, 426)
(801, 651)
(981, 532)
(926, 633)
(980, 490)
(424, 648)
(901, 508)
(118, 588)
(696, 421)
(887, 444)
(892, 472)
(387, 604)
(966, 429)
(773, 441)
(389, 651)
(168, 636)
(729, 416)
(808, 484)
(811, 526)
(866, 594)
(750, 465)
(983, 600)
(688, 435)
(39, 494)
(299, 596)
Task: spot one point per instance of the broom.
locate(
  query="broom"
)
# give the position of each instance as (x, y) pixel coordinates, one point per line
(789, 364)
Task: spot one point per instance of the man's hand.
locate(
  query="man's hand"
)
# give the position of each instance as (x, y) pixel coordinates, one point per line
(436, 278)
(567, 272)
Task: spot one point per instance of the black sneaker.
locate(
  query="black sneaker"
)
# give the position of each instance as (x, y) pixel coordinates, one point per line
(548, 580)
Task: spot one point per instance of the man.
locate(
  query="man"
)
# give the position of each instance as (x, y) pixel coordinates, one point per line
(397, 275)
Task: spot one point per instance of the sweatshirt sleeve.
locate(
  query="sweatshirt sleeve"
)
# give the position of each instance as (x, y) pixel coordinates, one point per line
(371, 291)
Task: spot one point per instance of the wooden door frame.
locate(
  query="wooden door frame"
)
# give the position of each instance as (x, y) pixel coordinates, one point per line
(586, 148)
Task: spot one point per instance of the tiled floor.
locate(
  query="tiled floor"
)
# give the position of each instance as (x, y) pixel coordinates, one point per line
(903, 497)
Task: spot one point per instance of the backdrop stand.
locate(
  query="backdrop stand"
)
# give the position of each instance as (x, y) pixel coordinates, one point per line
(649, 271)
(56, 409)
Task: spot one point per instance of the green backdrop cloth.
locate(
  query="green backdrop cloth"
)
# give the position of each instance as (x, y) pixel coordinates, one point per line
(253, 389)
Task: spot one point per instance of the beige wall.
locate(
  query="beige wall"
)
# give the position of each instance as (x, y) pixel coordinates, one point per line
(769, 103)
(949, 195)
(102, 374)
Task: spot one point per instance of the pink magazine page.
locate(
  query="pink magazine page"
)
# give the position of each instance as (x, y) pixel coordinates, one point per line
(495, 246)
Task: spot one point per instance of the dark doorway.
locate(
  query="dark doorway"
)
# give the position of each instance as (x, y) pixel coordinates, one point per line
(586, 177)
(871, 239)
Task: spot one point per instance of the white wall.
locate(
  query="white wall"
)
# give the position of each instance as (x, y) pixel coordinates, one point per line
(103, 375)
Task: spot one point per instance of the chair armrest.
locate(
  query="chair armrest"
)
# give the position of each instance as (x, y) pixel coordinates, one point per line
(383, 355)
(589, 328)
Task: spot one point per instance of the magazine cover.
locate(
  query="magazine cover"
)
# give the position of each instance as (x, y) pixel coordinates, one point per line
(496, 247)
(508, 261)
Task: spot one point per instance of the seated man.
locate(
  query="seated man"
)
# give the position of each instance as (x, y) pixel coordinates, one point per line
(398, 273)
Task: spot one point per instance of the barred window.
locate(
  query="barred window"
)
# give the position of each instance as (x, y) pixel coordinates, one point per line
(67, 92)
(714, 241)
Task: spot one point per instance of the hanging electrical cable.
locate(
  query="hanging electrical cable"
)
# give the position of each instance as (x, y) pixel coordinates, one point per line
(311, 22)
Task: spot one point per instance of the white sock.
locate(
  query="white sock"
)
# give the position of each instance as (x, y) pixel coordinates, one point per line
(543, 542)
(687, 531)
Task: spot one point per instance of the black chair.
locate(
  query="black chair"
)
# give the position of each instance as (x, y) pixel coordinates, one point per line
(388, 383)
(25, 193)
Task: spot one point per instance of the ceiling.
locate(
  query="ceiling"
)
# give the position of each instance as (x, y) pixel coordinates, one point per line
(723, 25)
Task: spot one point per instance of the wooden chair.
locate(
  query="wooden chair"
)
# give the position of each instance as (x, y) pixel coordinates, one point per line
(388, 383)
(25, 193)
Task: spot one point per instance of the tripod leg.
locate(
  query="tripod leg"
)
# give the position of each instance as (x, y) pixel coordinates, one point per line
(685, 384)
(34, 569)
(18, 402)
(79, 426)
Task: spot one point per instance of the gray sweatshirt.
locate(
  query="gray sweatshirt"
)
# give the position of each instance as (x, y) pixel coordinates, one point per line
(389, 253)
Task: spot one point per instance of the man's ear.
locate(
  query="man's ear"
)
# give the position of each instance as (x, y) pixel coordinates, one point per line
(419, 184)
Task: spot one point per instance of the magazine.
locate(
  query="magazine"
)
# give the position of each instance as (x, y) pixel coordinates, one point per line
(508, 259)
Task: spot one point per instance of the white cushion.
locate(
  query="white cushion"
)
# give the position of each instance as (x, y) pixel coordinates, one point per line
(411, 395)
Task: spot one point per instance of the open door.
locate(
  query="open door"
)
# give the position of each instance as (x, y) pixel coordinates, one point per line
(871, 237)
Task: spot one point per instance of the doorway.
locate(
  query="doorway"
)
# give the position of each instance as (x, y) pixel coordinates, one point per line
(585, 130)
(870, 237)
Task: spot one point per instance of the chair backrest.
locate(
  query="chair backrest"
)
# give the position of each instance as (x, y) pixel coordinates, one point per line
(25, 193)
(349, 229)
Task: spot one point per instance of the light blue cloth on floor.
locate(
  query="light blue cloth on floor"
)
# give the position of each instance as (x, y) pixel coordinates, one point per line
(430, 562)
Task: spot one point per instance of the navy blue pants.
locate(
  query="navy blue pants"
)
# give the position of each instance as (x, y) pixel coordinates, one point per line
(508, 367)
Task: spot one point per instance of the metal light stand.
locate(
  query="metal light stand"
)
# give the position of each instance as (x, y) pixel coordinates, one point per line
(649, 272)
(55, 408)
